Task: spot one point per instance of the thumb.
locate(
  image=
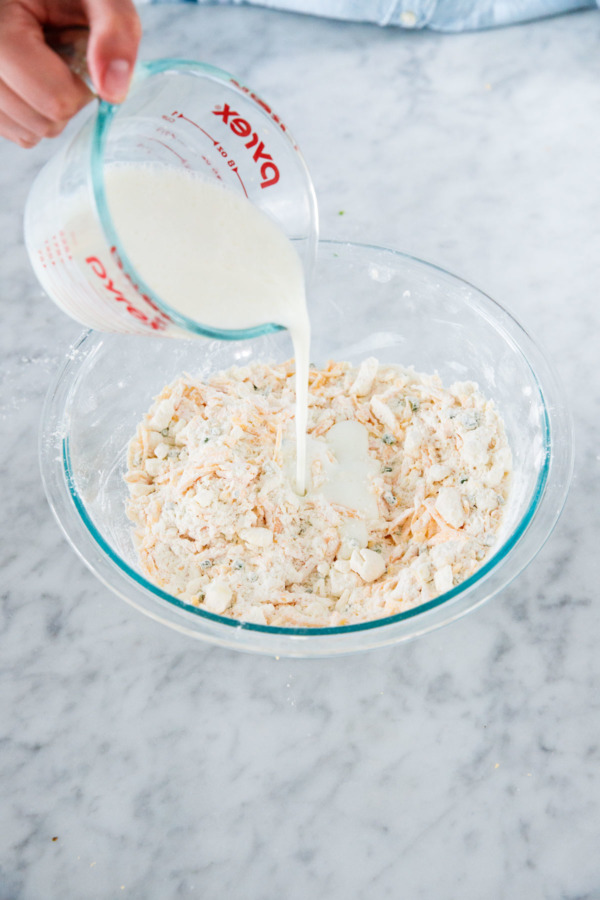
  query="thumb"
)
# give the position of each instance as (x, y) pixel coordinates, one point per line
(115, 33)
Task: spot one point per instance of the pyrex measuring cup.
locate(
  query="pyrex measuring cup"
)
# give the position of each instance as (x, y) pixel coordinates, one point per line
(179, 114)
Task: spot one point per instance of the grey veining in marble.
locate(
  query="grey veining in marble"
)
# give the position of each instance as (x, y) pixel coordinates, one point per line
(464, 765)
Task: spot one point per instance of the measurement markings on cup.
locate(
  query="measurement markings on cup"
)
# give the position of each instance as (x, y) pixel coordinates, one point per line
(184, 161)
(241, 128)
(217, 145)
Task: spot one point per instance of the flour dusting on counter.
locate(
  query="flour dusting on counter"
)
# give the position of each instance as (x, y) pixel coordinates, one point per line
(406, 485)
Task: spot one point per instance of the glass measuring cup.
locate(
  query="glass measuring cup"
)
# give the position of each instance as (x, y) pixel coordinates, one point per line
(181, 114)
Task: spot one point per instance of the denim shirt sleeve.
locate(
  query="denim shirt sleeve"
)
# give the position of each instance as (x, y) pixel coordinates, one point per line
(440, 15)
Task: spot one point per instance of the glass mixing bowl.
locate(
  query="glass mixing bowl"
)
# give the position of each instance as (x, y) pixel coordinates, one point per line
(364, 301)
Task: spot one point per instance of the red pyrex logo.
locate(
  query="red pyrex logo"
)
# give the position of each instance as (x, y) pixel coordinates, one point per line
(242, 128)
(158, 322)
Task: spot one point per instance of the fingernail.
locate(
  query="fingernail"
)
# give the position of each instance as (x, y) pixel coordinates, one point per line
(116, 80)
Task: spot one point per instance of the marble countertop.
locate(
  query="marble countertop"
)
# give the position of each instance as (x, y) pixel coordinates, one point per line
(136, 762)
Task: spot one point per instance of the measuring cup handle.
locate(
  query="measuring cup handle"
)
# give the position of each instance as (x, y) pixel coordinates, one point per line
(71, 45)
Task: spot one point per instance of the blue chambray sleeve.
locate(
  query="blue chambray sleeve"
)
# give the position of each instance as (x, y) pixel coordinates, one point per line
(440, 15)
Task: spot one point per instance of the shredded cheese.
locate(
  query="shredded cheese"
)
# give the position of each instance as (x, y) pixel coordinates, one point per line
(219, 525)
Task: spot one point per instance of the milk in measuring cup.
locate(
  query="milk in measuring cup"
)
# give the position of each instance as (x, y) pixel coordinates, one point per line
(209, 254)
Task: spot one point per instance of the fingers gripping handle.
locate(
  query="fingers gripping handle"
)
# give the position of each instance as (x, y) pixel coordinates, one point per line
(71, 45)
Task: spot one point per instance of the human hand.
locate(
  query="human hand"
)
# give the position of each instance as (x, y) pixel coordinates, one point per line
(38, 92)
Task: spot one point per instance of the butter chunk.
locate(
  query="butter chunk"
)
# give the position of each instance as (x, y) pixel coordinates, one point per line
(255, 615)
(383, 413)
(162, 415)
(257, 537)
(203, 497)
(367, 564)
(449, 505)
(153, 466)
(217, 596)
(444, 579)
(437, 472)
(365, 378)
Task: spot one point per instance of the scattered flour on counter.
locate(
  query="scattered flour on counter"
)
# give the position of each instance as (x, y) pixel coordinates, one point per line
(406, 486)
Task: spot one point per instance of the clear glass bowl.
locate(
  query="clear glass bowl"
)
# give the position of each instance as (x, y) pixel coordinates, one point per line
(365, 301)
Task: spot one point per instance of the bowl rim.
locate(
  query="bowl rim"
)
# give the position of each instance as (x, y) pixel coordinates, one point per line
(62, 492)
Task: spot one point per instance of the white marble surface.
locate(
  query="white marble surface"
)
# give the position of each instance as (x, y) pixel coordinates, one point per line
(464, 765)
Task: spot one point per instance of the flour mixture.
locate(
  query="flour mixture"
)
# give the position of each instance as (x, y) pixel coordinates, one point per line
(406, 482)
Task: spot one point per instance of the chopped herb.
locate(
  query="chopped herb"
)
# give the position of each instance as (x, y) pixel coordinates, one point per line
(414, 405)
(206, 563)
(470, 419)
(388, 438)
(165, 432)
(238, 564)
(389, 498)
(206, 440)
(386, 469)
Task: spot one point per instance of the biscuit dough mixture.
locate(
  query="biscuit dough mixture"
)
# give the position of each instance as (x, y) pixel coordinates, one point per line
(406, 487)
